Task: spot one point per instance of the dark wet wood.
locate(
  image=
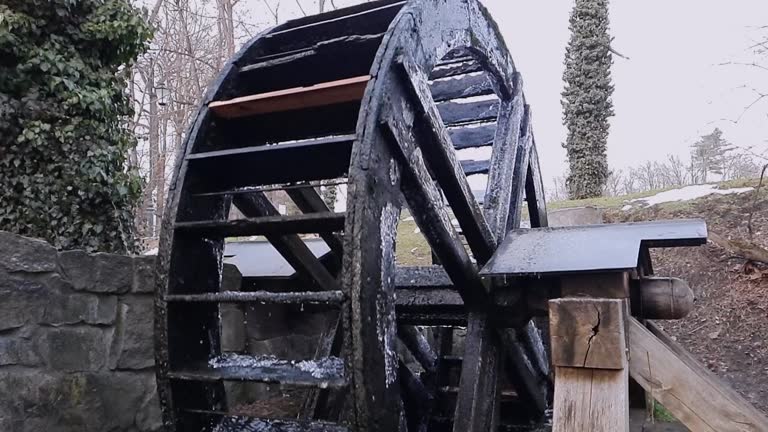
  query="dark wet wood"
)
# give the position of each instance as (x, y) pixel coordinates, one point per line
(478, 398)
(522, 374)
(321, 52)
(454, 113)
(289, 374)
(264, 297)
(380, 169)
(291, 246)
(308, 200)
(461, 67)
(520, 171)
(464, 87)
(419, 346)
(505, 149)
(473, 135)
(320, 159)
(432, 218)
(534, 192)
(248, 424)
(439, 153)
(418, 400)
(367, 18)
(422, 277)
(267, 225)
(473, 167)
(285, 126)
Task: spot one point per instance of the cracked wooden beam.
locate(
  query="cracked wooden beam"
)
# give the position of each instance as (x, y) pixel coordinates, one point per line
(589, 353)
(588, 333)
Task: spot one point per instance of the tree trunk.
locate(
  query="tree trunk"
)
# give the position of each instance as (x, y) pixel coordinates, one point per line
(226, 29)
(154, 184)
(740, 248)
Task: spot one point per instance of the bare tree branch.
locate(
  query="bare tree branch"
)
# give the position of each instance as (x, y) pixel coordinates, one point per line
(274, 12)
(298, 3)
(753, 64)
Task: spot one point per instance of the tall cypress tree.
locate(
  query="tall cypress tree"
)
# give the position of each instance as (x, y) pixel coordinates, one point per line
(586, 100)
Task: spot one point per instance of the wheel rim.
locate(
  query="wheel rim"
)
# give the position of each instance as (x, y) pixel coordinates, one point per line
(414, 42)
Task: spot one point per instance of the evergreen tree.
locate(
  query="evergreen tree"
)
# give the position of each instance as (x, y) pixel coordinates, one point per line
(709, 154)
(586, 100)
(63, 106)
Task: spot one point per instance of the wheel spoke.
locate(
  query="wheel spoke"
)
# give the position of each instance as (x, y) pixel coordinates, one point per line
(477, 403)
(522, 158)
(441, 158)
(291, 246)
(501, 177)
(534, 191)
(424, 201)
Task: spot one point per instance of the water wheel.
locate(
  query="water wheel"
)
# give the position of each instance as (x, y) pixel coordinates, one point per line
(402, 102)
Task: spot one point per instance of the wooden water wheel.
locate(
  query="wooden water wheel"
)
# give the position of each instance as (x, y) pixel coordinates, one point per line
(402, 102)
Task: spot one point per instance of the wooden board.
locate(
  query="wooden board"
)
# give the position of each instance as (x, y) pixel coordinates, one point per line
(605, 285)
(591, 400)
(588, 333)
(328, 93)
(686, 388)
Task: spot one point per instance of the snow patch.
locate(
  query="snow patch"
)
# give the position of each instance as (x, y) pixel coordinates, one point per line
(684, 194)
(325, 368)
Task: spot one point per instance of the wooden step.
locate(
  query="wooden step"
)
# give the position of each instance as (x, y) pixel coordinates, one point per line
(314, 159)
(451, 360)
(455, 112)
(475, 135)
(460, 66)
(251, 424)
(419, 277)
(346, 46)
(263, 297)
(463, 87)
(327, 93)
(445, 424)
(361, 19)
(324, 373)
(472, 167)
(452, 391)
(267, 225)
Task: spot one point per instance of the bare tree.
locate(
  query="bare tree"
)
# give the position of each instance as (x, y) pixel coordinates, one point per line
(559, 192)
(614, 183)
(674, 171)
(193, 40)
(648, 176)
(740, 165)
(226, 27)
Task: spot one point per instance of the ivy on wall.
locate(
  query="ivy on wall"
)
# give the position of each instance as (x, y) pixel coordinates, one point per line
(63, 138)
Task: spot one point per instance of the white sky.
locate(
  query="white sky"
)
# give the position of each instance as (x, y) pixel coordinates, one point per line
(671, 90)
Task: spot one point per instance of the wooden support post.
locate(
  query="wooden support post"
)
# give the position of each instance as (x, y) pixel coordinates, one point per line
(693, 394)
(476, 406)
(589, 353)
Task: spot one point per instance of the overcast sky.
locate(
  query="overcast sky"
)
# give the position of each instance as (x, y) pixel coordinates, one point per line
(671, 90)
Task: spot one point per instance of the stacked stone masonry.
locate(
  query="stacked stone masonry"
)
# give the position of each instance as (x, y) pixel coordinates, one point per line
(76, 344)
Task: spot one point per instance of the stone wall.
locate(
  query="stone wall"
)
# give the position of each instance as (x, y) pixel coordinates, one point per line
(76, 345)
(575, 216)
